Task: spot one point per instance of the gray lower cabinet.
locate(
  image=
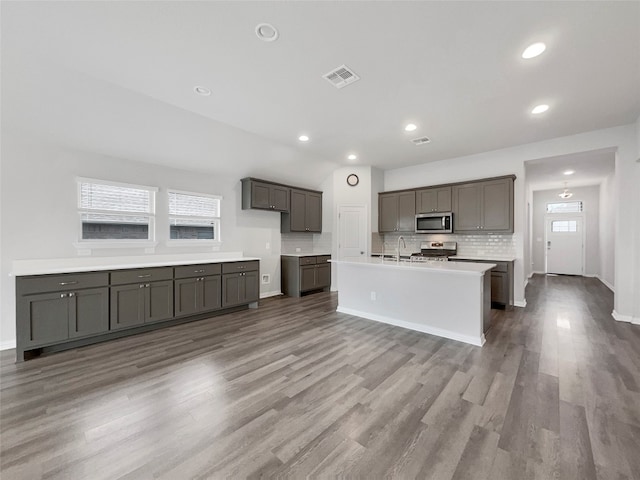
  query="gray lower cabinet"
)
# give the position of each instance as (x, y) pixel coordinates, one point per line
(83, 308)
(501, 281)
(483, 207)
(141, 303)
(304, 274)
(197, 289)
(240, 283)
(56, 308)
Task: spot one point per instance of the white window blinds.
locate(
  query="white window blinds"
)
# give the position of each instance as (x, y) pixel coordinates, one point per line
(194, 216)
(191, 205)
(111, 211)
(113, 198)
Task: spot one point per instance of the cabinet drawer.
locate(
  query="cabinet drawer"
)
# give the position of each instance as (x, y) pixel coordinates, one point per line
(122, 277)
(189, 271)
(323, 259)
(233, 267)
(307, 260)
(55, 283)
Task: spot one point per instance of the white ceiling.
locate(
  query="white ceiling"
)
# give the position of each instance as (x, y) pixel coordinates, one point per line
(118, 78)
(590, 168)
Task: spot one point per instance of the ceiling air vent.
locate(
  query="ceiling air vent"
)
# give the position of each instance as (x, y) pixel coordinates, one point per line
(341, 76)
(421, 141)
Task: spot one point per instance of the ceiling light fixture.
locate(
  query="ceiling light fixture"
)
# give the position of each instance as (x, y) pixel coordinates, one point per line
(540, 109)
(410, 127)
(534, 50)
(352, 157)
(303, 138)
(569, 172)
(566, 193)
(266, 32)
(204, 91)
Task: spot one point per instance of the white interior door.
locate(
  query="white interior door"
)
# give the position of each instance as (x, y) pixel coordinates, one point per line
(352, 231)
(564, 243)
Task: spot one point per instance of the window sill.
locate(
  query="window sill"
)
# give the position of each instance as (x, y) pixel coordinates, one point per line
(214, 244)
(85, 247)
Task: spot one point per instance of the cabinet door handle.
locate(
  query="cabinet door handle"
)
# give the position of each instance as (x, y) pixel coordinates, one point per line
(62, 295)
(147, 285)
(141, 285)
(144, 276)
(67, 283)
(198, 271)
(71, 294)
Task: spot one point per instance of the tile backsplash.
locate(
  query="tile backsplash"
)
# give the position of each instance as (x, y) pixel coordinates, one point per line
(307, 243)
(486, 244)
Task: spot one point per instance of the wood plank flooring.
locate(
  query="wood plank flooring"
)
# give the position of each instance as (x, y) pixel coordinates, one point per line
(294, 390)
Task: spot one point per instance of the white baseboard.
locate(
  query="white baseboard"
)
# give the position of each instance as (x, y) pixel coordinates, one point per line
(625, 318)
(8, 345)
(521, 304)
(477, 341)
(274, 293)
(606, 284)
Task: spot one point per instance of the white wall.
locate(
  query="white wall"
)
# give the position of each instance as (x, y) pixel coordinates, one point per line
(606, 232)
(624, 139)
(39, 211)
(590, 198)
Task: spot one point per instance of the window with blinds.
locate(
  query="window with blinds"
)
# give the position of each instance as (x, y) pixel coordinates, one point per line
(110, 211)
(194, 216)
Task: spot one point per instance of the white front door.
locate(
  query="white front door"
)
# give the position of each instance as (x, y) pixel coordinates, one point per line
(352, 231)
(564, 243)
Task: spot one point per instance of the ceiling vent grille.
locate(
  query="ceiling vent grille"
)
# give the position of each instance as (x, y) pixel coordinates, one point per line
(341, 76)
(421, 141)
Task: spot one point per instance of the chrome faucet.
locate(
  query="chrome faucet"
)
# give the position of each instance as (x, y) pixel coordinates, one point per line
(398, 249)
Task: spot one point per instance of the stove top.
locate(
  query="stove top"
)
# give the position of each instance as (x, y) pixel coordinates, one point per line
(435, 251)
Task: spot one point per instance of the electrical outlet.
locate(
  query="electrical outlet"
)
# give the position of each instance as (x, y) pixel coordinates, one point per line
(298, 249)
(268, 246)
(266, 278)
(373, 296)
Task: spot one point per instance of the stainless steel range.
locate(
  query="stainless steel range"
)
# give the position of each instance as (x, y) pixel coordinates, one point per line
(435, 252)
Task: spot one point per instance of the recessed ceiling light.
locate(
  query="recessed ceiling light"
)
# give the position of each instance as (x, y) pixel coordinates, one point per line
(205, 92)
(303, 138)
(352, 157)
(266, 32)
(540, 109)
(569, 172)
(410, 127)
(534, 50)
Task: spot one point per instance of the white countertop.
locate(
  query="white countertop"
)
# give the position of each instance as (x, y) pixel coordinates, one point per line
(312, 254)
(494, 258)
(92, 264)
(445, 267)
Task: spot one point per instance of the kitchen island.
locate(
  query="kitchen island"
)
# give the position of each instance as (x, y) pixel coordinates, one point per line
(448, 299)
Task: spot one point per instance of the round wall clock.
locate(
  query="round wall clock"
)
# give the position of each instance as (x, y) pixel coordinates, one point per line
(352, 180)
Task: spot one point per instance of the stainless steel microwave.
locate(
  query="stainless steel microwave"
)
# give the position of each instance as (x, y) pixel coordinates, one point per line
(434, 222)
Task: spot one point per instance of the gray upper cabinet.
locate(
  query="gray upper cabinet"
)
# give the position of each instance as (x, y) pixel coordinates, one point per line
(396, 212)
(305, 213)
(483, 207)
(261, 195)
(433, 200)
